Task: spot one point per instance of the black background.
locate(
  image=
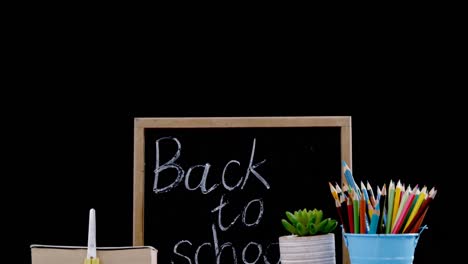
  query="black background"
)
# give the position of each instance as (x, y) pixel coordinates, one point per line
(74, 82)
(84, 159)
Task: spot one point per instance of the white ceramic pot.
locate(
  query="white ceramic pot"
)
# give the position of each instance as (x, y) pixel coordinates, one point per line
(308, 249)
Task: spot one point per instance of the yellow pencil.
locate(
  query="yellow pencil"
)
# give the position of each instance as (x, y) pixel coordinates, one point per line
(333, 192)
(396, 202)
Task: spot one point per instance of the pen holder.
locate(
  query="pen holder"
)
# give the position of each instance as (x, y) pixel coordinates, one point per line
(382, 248)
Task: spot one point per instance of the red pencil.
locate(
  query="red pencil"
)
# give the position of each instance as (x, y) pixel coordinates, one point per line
(419, 222)
(338, 209)
(362, 215)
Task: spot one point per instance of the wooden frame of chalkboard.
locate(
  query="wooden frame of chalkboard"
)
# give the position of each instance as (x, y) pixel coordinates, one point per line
(142, 124)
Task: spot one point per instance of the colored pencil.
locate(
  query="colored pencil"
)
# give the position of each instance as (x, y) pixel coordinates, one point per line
(344, 212)
(379, 192)
(364, 191)
(423, 208)
(402, 216)
(396, 202)
(394, 209)
(368, 204)
(391, 197)
(349, 178)
(338, 189)
(338, 209)
(415, 209)
(419, 222)
(371, 194)
(382, 200)
(413, 204)
(374, 220)
(333, 192)
(362, 215)
(345, 188)
(356, 212)
(401, 206)
(349, 205)
(337, 203)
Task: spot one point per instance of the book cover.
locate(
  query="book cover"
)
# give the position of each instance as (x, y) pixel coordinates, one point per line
(49, 254)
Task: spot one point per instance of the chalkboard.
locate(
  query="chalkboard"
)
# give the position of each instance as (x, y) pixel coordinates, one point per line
(213, 190)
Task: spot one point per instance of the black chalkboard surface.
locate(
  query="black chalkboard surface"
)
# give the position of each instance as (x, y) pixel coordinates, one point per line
(213, 190)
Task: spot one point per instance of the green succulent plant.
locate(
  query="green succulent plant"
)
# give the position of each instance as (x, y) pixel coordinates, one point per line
(308, 223)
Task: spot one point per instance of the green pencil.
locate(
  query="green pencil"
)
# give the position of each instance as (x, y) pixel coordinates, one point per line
(391, 196)
(356, 213)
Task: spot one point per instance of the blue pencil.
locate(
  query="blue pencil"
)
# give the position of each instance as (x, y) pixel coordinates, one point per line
(350, 179)
(375, 219)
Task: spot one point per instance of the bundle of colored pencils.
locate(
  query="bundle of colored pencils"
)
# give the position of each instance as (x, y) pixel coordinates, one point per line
(398, 210)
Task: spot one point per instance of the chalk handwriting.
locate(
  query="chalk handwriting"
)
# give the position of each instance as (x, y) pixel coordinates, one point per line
(195, 179)
(226, 186)
(171, 164)
(202, 184)
(259, 216)
(220, 255)
(168, 165)
(252, 168)
(219, 209)
(259, 249)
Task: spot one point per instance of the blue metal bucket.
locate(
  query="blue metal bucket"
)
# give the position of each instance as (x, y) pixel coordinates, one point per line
(382, 248)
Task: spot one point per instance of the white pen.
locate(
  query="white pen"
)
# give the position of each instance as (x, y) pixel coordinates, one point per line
(91, 255)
